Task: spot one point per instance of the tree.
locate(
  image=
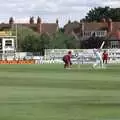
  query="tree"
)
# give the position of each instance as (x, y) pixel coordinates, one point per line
(96, 14)
(93, 42)
(31, 44)
(61, 41)
(30, 41)
(44, 42)
(35, 43)
(23, 33)
(115, 14)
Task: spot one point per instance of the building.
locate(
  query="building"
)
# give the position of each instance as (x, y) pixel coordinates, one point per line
(7, 45)
(39, 26)
(104, 28)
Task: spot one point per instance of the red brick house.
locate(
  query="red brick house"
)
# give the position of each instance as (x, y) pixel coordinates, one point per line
(105, 28)
(39, 26)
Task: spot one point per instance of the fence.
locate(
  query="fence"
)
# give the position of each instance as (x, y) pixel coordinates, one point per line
(81, 56)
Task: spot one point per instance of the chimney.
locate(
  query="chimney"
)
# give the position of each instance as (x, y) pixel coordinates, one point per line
(11, 20)
(31, 20)
(110, 25)
(39, 25)
(69, 21)
(118, 34)
(82, 28)
(39, 20)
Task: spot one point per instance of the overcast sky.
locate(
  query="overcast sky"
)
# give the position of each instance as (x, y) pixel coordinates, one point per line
(49, 10)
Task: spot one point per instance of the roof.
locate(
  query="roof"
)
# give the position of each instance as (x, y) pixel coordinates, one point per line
(70, 26)
(94, 26)
(91, 27)
(49, 28)
(5, 26)
(115, 29)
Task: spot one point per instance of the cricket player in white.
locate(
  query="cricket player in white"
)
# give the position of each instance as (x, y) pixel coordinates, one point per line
(98, 57)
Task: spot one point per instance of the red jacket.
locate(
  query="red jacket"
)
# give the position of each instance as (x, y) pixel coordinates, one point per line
(67, 58)
(105, 56)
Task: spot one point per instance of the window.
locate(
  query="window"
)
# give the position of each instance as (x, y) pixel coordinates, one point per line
(114, 44)
(96, 33)
(8, 43)
(87, 33)
(100, 33)
(0, 43)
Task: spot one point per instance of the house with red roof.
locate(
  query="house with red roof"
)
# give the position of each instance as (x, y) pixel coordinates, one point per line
(105, 28)
(39, 26)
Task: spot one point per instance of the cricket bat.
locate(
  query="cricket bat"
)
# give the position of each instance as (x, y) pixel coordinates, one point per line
(102, 45)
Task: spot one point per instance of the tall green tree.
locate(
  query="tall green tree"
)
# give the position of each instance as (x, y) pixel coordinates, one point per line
(45, 40)
(97, 13)
(31, 43)
(62, 41)
(23, 33)
(35, 43)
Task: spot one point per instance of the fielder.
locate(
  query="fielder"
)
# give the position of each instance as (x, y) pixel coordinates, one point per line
(98, 57)
(67, 60)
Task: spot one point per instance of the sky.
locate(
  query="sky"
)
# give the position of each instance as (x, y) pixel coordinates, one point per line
(50, 10)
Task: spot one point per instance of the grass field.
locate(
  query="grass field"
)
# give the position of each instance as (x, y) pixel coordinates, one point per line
(48, 92)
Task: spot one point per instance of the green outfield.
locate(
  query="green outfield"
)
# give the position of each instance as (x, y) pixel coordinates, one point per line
(48, 92)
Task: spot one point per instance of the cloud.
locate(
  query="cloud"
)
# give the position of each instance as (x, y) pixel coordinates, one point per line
(50, 10)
